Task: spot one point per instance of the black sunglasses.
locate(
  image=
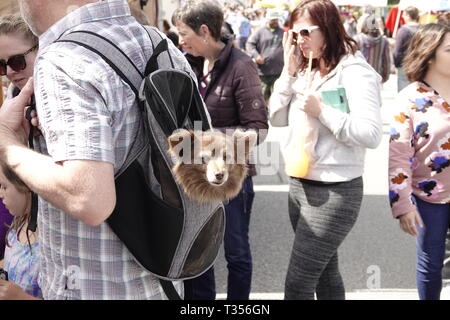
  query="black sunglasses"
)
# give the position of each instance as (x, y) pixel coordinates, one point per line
(17, 62)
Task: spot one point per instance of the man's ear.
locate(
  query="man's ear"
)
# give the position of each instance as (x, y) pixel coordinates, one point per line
(244, 142)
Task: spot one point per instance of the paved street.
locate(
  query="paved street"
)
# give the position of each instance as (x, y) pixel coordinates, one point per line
(375, 246)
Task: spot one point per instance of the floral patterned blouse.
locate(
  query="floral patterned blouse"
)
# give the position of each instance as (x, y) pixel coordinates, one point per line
(419, 149)
(22, 264)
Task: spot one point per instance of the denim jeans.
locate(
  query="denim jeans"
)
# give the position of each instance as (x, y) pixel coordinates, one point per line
(237, 252)
(430, 245)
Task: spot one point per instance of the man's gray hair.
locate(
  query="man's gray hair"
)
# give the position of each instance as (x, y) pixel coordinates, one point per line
(195, 13)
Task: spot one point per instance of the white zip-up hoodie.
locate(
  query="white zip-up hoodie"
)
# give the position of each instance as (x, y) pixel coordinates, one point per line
(342, 137)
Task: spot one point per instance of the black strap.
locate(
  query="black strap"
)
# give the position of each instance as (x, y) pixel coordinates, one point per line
(32, 223)
(152, 64)
(169, 290)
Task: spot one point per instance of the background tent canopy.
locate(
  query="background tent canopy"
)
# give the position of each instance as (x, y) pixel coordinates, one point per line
(361, 3)
(428, 5)
(272, 4)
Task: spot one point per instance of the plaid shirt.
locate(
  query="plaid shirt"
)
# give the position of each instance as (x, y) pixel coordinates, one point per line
(87, 112)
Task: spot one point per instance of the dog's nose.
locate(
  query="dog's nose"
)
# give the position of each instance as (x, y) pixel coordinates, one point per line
(219, 176)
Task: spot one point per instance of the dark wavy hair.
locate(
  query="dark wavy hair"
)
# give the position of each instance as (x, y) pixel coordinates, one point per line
(19, 221)
(195, 13)
(422, 48)
(324, 14)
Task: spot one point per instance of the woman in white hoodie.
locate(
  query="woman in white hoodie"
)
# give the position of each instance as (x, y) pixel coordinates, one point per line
(337, 106)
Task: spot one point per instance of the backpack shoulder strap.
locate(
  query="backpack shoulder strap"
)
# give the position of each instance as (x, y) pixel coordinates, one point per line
(110, 53)
(161, 47)
(124, 68)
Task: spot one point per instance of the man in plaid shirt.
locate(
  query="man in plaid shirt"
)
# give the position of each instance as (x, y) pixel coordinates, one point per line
(88, 117)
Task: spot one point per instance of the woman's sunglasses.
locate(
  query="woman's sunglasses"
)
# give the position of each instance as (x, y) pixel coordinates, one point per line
(17, 62)
(305, 33)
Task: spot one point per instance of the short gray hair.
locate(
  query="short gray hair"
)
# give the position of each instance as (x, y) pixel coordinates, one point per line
(195, 13)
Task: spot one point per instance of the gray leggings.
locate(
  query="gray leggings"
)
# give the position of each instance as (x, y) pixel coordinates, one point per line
(321, 215)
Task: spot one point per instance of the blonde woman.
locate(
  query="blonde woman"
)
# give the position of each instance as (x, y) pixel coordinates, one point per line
(18, 49)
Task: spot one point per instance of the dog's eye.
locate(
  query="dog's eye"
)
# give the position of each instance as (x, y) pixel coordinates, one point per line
(205, 159)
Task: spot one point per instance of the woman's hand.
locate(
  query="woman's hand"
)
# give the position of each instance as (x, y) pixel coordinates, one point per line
(408, 222)
(14, 128)
(310, 103)
(260, 60)
(291, 61)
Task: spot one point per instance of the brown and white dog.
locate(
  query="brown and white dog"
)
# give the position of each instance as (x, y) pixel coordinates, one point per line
(211, 166)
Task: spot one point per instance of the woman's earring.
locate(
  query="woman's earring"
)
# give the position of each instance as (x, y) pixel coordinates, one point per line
(205, 41)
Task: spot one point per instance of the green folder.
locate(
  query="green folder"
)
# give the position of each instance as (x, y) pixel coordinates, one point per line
(335, 98)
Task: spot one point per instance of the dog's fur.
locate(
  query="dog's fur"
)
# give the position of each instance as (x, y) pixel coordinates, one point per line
(209, 165)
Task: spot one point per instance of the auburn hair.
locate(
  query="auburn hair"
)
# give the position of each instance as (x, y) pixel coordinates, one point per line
(326, 16)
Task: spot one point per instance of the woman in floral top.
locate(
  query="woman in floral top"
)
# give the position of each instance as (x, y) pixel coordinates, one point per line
(419, 154)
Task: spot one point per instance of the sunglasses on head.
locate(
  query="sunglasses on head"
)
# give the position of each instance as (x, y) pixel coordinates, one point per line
(17, 62)
(305, 32)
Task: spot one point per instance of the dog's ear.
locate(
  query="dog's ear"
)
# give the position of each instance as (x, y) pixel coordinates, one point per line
(178, 141)
(244, 142)
(178, 136)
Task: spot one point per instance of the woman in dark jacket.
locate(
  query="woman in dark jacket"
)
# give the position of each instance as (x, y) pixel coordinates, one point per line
(229, 83)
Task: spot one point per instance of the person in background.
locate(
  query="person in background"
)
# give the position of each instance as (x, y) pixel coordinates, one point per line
(169, 33)
(266, 49)
(18, 49)
(374, 46)
(245, 29)
(258, 20)
(350, 24)
(419, 154)
(404, 35)
(444, 18)
(138, 13)
(325, 202)
(228, 81)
